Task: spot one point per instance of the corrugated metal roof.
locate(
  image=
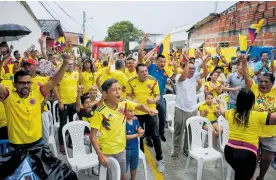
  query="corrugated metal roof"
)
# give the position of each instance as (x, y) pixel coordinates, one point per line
(49, 27)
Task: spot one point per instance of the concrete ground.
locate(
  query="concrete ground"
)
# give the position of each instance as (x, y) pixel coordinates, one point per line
(175, 168)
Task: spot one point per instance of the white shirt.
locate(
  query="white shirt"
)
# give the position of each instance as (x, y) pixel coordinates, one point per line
(186, 93)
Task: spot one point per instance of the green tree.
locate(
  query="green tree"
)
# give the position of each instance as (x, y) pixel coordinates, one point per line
(124, 31)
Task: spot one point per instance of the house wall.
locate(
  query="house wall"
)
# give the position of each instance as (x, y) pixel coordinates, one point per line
(237, 19)
(15, 13)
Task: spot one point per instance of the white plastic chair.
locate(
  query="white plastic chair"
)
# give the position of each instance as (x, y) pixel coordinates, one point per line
(113, 163)
(169, 98)
(51, 140)
(170, 113)
(223, 139)
(80, 160)
(55, 115)
(196, 150)
(142, 157)
(200, 97)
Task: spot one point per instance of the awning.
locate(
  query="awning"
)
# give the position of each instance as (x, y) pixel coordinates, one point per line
(197, 44)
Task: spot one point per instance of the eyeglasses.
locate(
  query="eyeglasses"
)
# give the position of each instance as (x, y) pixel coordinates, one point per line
(22, 83)
(192, 68)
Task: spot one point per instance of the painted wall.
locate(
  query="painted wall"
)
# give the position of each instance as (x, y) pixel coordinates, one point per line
(15, 13)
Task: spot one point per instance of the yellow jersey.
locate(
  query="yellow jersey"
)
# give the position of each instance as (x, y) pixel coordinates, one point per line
(3, 119)
(24, 116)
(141, 91)
(211, 115)
(87, 80)
(38, 81)
(130, 74)
(68, 87)
(122, 80)
(248, 134)
(265, 102)
(210, 88)
(112, 126)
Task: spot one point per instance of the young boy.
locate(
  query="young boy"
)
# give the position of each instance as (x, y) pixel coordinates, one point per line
(210, 111)
(109, 118)
(133, 131)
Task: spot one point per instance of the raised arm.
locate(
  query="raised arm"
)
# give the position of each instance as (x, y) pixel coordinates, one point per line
(78, 103)
(58, 76)
(185, 71)
(204, 74)
(42, 48)
(248, 80)
(141, 48)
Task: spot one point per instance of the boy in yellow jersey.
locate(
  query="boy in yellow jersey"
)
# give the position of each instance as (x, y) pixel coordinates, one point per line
(119, 75)
(110, 120)
(23, 107)
(66, 94)
(145, 90)
(130, 65)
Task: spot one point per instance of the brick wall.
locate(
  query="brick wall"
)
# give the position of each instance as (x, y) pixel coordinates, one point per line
(236, 19)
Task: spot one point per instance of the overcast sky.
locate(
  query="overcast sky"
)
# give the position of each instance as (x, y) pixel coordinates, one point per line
(151, 17)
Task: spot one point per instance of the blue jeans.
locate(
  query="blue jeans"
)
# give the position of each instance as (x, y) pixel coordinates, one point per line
(132, 159)
(273, 164)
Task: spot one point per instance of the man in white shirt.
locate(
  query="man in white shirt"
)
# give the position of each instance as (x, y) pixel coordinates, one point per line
(186, 101)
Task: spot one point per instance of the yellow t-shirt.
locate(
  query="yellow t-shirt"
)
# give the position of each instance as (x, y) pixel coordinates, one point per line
(265, 102)
(105, 74)
(210, 88)
(249, 134)
(211, 115)
(141, 91)
(122, 80)
(24, 116)
(112, 126)
(130, 74)
(68, 87)
(3, 119)
(87, 80)
(98, 65)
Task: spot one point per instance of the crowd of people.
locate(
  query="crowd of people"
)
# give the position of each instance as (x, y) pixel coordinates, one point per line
(131, 104)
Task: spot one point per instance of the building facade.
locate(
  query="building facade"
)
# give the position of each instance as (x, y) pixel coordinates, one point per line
(223, 29)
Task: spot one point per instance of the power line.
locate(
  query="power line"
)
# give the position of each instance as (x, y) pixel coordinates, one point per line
(63, 21)
(46, 9)
(67, 13)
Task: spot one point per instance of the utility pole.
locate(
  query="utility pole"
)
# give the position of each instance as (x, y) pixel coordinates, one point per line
(83, 25)
(216, 5)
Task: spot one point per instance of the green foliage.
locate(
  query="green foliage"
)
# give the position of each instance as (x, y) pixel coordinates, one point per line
(85, 50)
(124, 31)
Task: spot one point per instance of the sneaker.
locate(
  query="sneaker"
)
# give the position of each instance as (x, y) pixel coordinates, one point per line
(160, 166)
(174, 156)
(163, 138)
(95, 171)
(149, 143)
(185, 153)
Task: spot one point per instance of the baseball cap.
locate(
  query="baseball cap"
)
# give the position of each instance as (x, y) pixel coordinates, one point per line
(30, 61)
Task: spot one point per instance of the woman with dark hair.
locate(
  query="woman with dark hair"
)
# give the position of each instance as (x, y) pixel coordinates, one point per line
(212, 85)
(265, 102)
(221, 75)
(87, 77)
(244, 131)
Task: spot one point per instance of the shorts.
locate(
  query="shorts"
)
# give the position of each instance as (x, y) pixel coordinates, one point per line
(132, 159)
(268, 144)
(121, 158)
(212, 122)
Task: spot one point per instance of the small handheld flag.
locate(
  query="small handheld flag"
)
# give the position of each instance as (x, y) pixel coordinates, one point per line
(254, 29)
(242, 43)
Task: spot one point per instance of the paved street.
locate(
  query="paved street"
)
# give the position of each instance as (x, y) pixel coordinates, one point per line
(175, 169)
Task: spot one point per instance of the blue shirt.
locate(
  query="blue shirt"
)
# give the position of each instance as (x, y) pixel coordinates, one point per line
(160, 76)
(259, 65)
(131, 129)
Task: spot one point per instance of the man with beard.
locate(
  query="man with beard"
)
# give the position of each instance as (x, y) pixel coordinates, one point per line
(157, 71)
(23, 107)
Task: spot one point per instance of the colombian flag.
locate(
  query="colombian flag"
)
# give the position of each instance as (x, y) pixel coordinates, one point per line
(242, 43)
(164, 50)
(254, 29)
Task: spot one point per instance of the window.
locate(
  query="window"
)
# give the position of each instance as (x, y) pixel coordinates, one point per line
(224, 44)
